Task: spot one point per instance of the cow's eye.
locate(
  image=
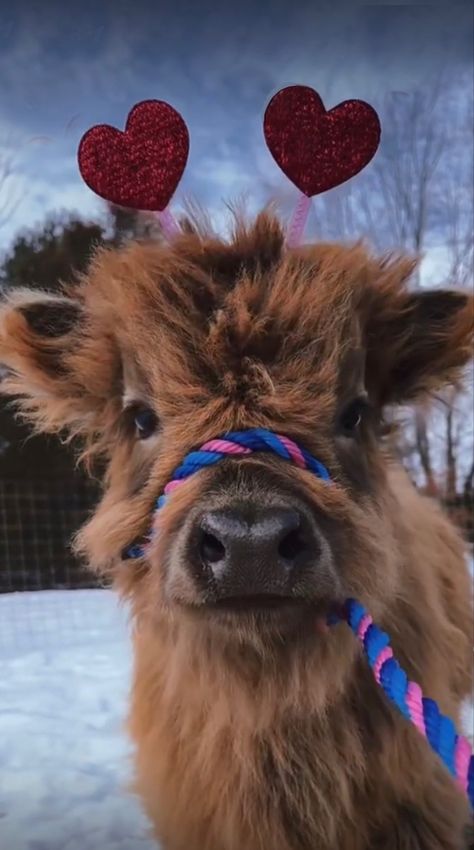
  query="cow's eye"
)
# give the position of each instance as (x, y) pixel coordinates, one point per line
(352, 417)
(146, 423)
(142, 421)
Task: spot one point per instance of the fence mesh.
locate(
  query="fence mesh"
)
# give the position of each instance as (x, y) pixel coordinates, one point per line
(38, 518)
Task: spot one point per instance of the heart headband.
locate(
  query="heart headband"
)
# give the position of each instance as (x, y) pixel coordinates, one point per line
(141, 167)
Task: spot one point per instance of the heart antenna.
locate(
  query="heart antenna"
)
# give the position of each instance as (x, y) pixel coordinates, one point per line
(315, 148)
(139, 168)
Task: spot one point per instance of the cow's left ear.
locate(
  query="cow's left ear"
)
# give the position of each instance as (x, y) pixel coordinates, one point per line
(38, 332)
(417, 342)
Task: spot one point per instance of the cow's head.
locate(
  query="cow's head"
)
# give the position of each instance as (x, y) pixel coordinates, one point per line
(162, 348)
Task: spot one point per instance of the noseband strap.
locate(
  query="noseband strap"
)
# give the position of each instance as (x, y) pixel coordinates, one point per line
(232, 445)
(439, 730)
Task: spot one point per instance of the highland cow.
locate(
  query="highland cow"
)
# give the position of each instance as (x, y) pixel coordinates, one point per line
(256, 727)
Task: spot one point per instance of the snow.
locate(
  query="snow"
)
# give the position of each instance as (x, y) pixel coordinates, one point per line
(64, 756)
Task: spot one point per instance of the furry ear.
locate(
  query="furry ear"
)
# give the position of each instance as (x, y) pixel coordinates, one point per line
(37, 333)
(417, 342)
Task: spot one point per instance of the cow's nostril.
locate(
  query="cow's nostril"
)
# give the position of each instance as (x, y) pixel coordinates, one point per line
(210, 548)
(250, 550)
(292, 545)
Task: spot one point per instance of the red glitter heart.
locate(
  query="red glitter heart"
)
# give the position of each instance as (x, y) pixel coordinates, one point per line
(316, 149)
(141, 167)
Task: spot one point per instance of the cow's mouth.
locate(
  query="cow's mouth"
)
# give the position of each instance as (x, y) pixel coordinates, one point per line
(258, 602)
(273, 611)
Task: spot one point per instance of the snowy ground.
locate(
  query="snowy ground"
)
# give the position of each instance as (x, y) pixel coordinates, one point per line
(64, 759)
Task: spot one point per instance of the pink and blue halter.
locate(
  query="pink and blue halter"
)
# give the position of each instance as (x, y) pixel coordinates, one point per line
(453, 749)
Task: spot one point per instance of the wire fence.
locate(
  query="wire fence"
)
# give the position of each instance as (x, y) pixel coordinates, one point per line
(39, 516)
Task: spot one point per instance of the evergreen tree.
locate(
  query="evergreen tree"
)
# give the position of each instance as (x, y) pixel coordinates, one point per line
(53, 253)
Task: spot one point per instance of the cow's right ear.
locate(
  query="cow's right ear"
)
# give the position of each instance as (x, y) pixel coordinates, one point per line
(38, 331)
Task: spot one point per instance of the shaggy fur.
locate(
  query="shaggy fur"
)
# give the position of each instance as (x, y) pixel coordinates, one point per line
(264, 731)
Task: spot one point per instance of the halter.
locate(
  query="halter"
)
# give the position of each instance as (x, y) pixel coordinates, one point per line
(453, 749)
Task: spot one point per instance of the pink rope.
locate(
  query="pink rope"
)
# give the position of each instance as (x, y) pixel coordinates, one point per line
(364, 625)
(298, 221)
(462, 757)
(172, 485)
(226, 447)
(414, 701)
(294, 451)
(381, 659)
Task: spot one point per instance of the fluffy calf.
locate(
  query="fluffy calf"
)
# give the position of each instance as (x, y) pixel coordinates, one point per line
(255, 727)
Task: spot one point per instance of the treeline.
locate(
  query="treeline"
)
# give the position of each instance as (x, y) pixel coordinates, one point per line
(62, 246)
(45, 258)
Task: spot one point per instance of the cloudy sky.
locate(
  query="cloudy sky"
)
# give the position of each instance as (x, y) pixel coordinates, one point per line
(66, 66)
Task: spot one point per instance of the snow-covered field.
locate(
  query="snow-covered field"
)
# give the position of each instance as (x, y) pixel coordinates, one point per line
(64, 758)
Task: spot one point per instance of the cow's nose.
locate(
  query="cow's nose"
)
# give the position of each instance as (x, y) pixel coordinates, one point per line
(255, 552)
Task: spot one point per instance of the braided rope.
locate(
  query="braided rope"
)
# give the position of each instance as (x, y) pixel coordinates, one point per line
(439, 730)
(233, 444)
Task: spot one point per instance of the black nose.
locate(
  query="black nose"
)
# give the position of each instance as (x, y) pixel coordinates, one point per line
(255, 552)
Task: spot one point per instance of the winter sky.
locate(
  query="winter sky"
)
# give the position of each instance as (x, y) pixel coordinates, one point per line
(65, 66)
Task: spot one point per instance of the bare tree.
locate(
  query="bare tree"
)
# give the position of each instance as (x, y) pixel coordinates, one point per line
(452, 438)
(458, 204)
(423, 184)
(406, 173)
(468, 486)
(392, 201)
(9, 196)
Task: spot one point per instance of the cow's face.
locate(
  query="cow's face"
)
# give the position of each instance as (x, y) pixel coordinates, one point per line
(161, 349)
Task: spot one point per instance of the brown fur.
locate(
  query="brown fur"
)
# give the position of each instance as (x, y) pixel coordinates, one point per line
(265, 734)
